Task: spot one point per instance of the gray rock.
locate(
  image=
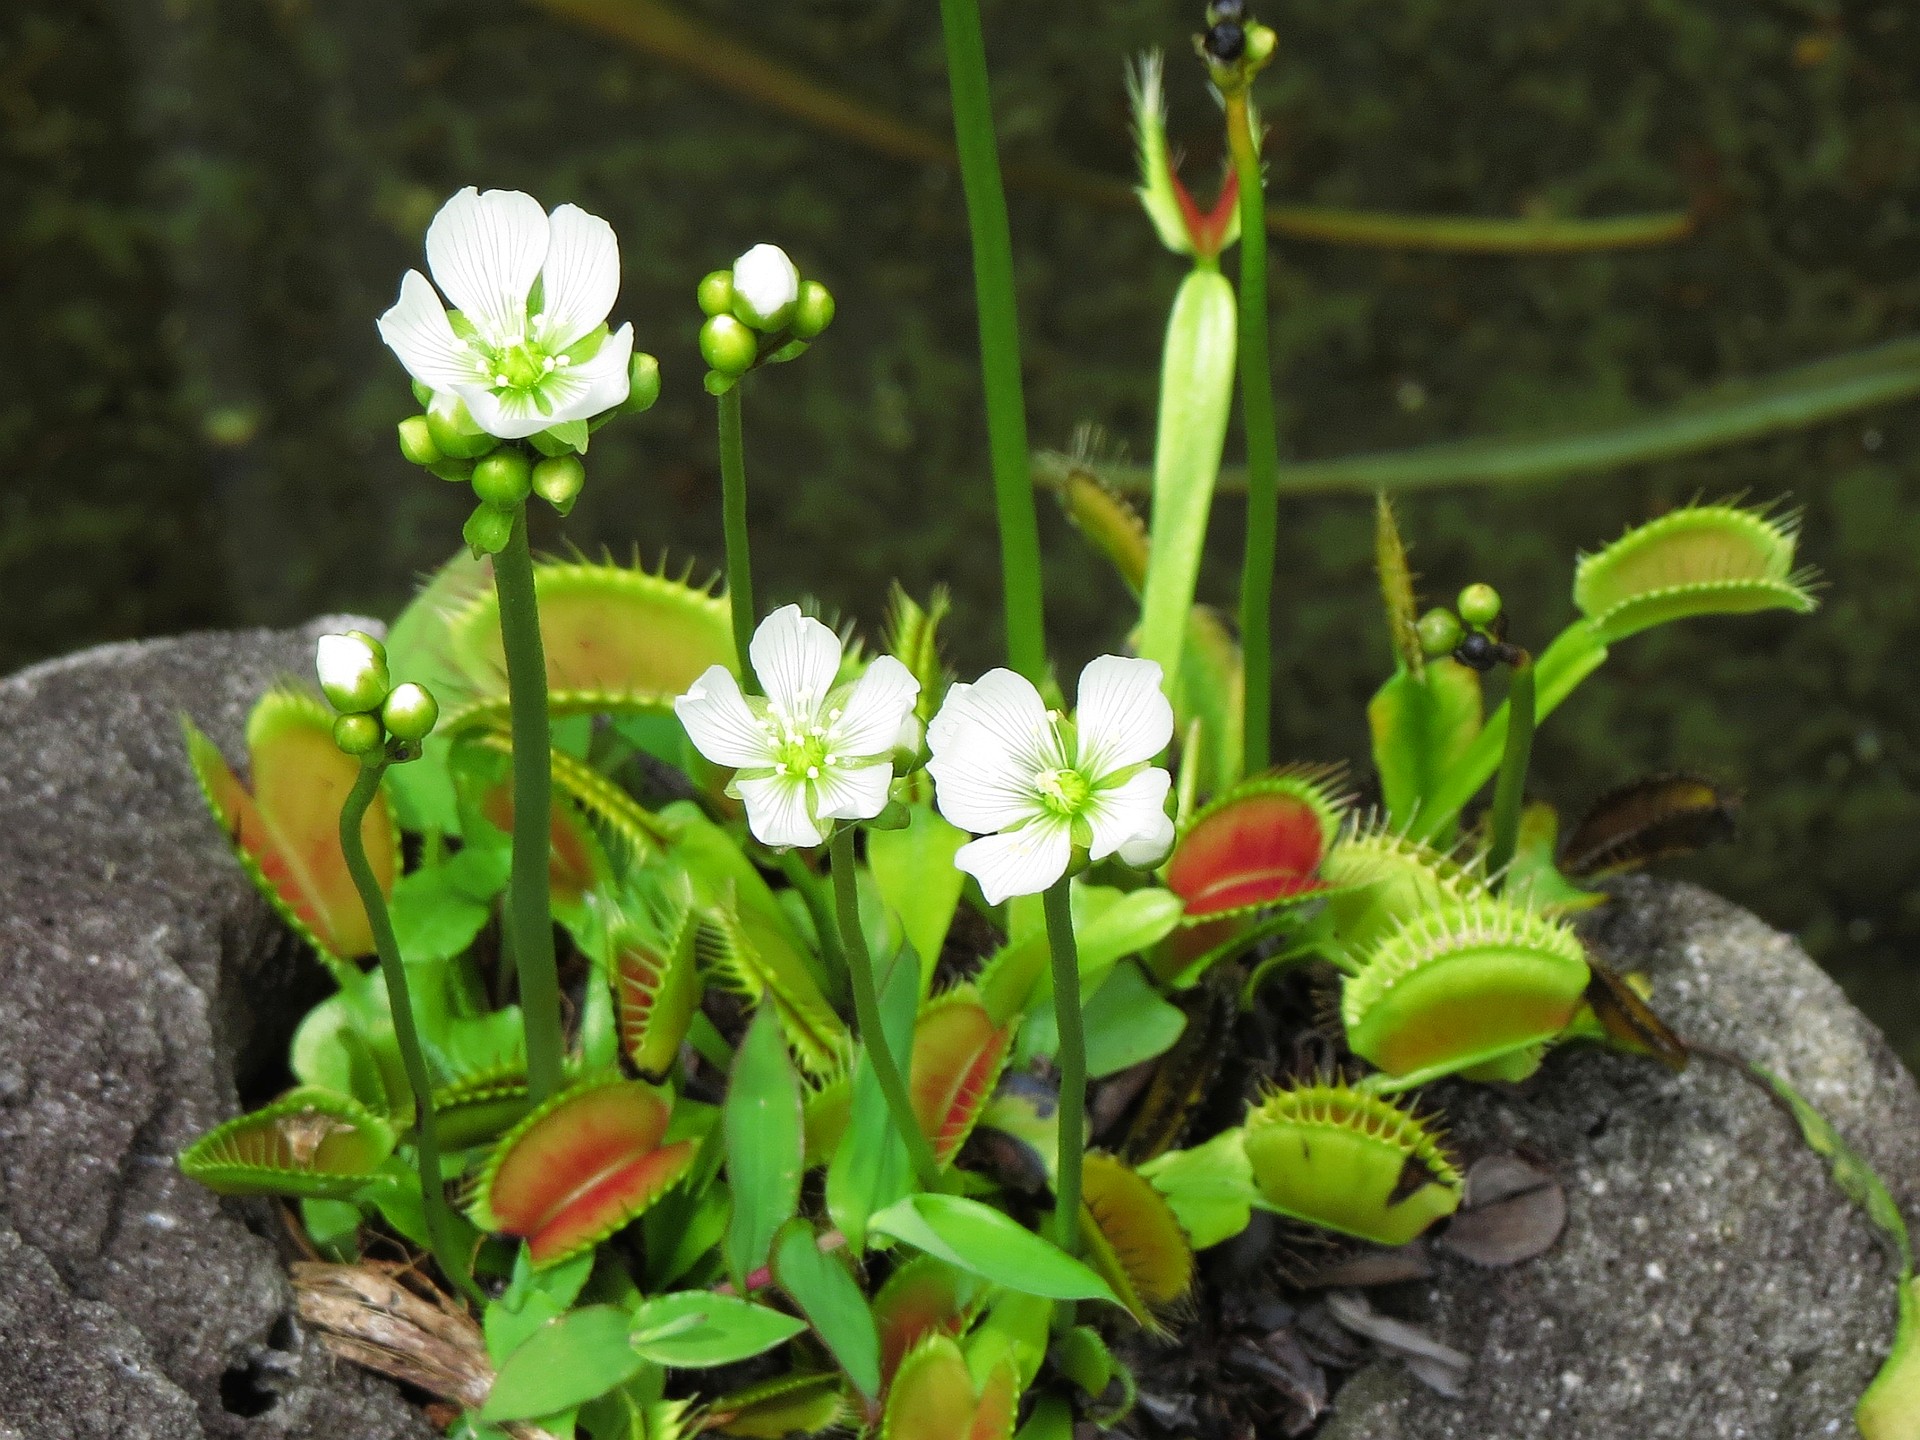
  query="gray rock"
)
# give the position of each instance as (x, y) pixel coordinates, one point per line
(1712, 1281)
(139, 975)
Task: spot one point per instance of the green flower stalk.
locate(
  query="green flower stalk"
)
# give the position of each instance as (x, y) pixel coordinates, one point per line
(1073, 1064)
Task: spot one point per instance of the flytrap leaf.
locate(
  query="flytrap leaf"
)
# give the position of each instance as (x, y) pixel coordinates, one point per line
(580, 1167)
(1461, 986)
(1379, 879)
(923, 1297)
(616, 639)
(1259, 845)
(790, 1405)
(1132, 1238)
(1701, 560)
(309, 1143)
(1349, 1161)
(1647, 820)
(747, 949)
(933, 1397)
(958, 1054)
(650, 951)
(287, 830)
(697, 1329)
(480, 1108)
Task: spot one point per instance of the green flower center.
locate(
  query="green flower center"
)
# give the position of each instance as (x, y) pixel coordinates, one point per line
(801, 742)
(1064, 792)
(524, 365)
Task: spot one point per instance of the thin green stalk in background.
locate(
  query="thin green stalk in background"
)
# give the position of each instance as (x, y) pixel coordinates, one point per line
(1509, 791)
(441, 1231)
(733, 509)
(866, 1010)
(1072, 1060)
(999, 337)
(1263, 446)
(529, 897)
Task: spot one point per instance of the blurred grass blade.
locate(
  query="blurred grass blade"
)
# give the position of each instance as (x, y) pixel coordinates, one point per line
(1725, 414)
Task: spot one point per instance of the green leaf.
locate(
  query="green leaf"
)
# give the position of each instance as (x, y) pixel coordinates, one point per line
(695, 1329)
(765, 1144)
(1128, 1021)
(1422, 724)
(914, 871)
(1210, 1188)
(566, 1362)
(831, 1300)
(1108, 925)
(981, 1240)
(871, 1168)
(1052, 1419)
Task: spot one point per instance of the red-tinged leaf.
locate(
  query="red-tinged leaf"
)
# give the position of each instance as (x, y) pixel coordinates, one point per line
(925, 1296)
(1259, 845)
(656, 979)
(958, 1054)
(932, 1398)
(287, 830)
(574, 865)
(580, 1167)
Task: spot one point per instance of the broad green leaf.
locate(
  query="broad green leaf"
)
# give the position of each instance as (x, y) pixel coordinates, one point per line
(432, 918)
(765, 1144)
(1052, 1419)
(566, 1362)
(1108, 925)
(696, 1329)
(914, 870)
(871, 1169)
(1210, 1188)
(1422, 725)
(829, 1297)
(417, 650)
(1126, 1021)
(988, 1243)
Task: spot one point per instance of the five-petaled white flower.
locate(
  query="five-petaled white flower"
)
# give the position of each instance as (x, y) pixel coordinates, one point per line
(527, 346)
(811, 752)
(1035, 784)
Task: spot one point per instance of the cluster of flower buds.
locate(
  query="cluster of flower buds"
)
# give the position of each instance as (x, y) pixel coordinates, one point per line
(1474, 632)
(376, 716)
(758, 313)
(1235, 46)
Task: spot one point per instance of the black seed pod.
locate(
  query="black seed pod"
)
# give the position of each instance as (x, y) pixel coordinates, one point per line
(1226, 10)
(1226, 42)
(1477, 651)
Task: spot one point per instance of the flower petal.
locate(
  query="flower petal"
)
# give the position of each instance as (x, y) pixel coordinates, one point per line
(416, 329)
(989, 741)
(796, 658)
(580, 278)
(874, 710)
(852, 792)
(485, 251)
(777, 810)
(1123, 718)
(1135, 810)
(504, 414)
(578, 393)
(1020, 862)
(1147, 850)
(719, 723)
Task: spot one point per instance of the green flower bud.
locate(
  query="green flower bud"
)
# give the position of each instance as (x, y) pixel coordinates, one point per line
(728, 345)
(766, 286)
(352, 669)
(813, 312)
(358, 734)
(416, 441)
(453, 430)
(1261, 43)
(557, 480)
(504, 478)
(487, 530)
(643, 384)
(716, 293)
(458, 471)
(1479, 605)
(718, 384)
(410, 712)
(1440, 631)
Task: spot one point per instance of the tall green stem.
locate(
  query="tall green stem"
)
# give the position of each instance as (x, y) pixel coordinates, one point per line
(1263, 446)
(441, 1231)
(866, 1009)
(529, 898)
(999, 336)
(733, 512)
(1509, 791)
(1072, 1060)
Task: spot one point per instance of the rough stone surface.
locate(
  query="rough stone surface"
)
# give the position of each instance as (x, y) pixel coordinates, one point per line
(1712, 1281)
(138, 976)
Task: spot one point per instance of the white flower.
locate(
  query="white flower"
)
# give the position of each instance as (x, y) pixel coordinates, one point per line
(1035, 785)
(809, 753)
(352, 671)
(765, 286)
(527, 347)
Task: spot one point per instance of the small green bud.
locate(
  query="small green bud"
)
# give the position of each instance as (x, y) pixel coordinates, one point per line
(458, 471)
(352, 669)
(357, 734)
(813, 312)
(1440, 631)
(1261, 43)
(718, 384)
(487, 530)
(716, 293)
(416, 441)
(1479, 605)
(410, 712)
(504, 478)
(453, 430)
(728, 345)
(643, 384)
(557, 480)
(766, 286)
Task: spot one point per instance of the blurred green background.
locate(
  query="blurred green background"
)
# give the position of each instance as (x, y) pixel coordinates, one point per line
(206, 203)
